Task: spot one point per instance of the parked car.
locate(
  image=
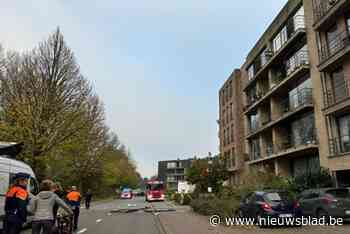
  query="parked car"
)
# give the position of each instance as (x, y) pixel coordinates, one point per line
(333, 202)
(8, 168)
(264, 204)
(126, 194)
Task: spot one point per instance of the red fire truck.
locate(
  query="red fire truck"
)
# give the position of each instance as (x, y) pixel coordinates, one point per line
(155, 191)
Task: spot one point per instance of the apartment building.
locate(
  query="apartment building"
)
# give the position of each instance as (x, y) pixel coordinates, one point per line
(287, 109)
(173, 171)
(331, 26)
(231, 129)
(281, 106)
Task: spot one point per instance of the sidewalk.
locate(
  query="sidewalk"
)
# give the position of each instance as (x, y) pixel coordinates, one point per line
(187, 222)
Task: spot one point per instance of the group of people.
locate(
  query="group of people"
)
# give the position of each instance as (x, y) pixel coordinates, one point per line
(44, 206)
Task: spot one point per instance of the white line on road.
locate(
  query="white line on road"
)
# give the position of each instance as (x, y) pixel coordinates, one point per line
(99, 221)
(82, 230)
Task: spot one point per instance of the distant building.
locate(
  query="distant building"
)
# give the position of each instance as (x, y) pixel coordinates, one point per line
(173, 171)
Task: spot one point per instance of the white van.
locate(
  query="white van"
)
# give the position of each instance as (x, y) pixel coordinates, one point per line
(8, 168)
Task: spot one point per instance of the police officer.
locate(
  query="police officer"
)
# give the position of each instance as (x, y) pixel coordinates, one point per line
(16, 204)
(74, 198)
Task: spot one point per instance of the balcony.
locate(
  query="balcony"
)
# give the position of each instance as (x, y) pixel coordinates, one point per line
(293, 41)
(337, 95)
(333, 52)
(290, 147)
(297, 66)
(326, 12)
(298, 103)
(339, 146)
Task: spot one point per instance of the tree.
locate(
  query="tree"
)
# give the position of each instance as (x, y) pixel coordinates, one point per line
(206, 173)
(43, 98)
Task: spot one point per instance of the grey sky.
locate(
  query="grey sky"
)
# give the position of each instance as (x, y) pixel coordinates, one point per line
(157, 65)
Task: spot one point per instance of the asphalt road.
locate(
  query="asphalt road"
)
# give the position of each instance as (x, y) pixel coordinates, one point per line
(122, 217)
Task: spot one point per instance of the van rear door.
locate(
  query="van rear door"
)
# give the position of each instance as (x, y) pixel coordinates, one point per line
(4, 185)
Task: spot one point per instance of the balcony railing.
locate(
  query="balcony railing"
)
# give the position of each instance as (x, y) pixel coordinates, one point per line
(269, 150)
(301, 98)
(339, 42)
(339, 145)
(322, 7)
(338, 94)
(294, 142)
(299, 59)
(255, 155)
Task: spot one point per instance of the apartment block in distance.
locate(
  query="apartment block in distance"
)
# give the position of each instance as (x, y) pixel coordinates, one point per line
(173, 171)
(231, 128)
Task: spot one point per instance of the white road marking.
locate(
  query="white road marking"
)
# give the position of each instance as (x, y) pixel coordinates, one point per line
(99, 221)
(82, 230)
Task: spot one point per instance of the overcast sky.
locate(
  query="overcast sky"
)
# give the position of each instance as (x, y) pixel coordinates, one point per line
(156, 64)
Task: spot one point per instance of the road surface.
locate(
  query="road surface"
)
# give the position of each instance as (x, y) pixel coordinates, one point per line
(138, 217)
(133, 216)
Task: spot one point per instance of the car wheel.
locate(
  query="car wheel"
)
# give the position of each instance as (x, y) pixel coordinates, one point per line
(322, 213)
(239, 213)
(258, 220)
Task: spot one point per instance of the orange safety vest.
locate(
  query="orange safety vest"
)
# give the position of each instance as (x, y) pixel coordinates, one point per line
(17, 192)
(73, 196)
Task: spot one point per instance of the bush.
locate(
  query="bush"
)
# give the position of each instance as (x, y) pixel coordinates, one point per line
(182, 198)
(215, 206)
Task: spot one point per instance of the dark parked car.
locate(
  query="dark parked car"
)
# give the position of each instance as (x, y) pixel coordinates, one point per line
(333, 202)
(264, 204)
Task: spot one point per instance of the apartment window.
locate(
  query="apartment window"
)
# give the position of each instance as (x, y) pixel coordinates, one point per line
(264, 57)
(332, 41)
(303, 131)
(228, 114)
(299, 19)
(280, 39)
(232, 133)
(230, 88)
(228, 135)
(251, 72)
(231, 111)
(252, 95)
(171, 165)
(223, 117)
(255, 149)
(171, 178)
(344, 133)
(338, 85)
(254, 122)
(233, 157)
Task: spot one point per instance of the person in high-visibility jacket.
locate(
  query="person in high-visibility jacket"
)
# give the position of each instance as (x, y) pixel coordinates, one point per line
(16, 202)
(74, 198)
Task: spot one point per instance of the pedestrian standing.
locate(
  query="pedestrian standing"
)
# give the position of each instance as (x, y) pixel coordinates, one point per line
(16, 202)
(74, 198)
(42, 206)
(88, 198)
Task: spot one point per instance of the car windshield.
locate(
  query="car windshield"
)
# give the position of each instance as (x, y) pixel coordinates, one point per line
(126, 190)
(276, 196)
(155, 186)
(340, 193)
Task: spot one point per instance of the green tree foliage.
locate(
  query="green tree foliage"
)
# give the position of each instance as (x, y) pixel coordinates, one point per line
(47, 104)
(206, 173)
